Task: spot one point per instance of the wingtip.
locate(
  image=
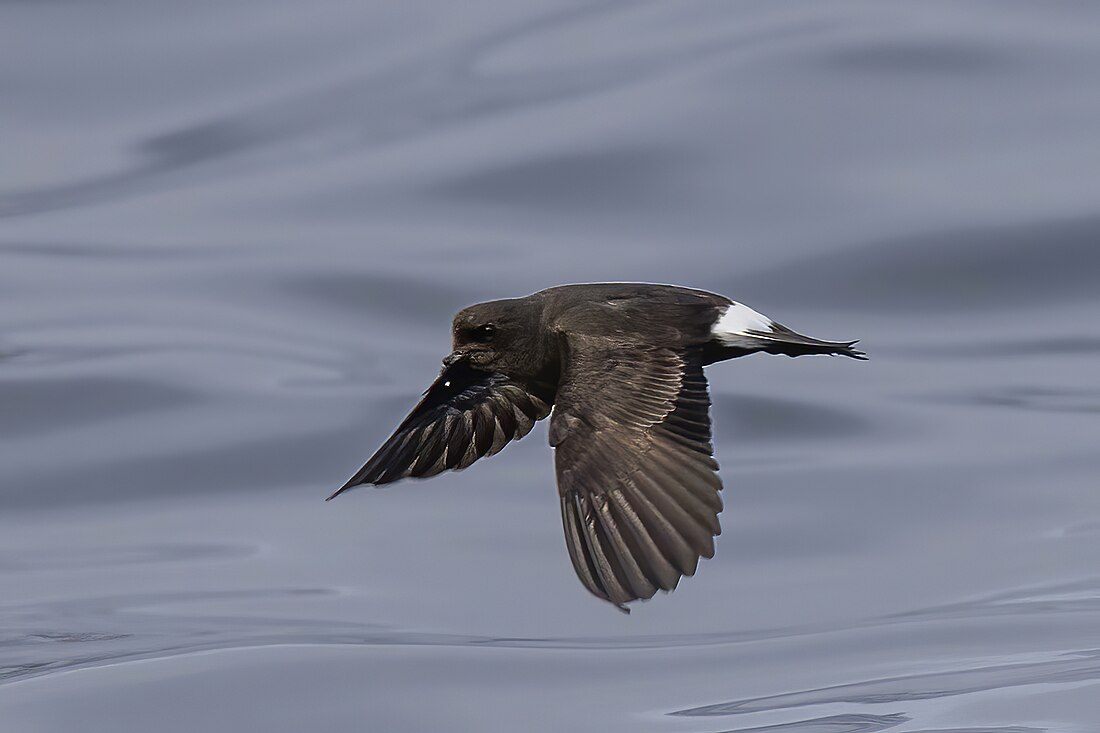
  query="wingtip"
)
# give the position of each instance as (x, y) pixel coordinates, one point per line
(349, 485)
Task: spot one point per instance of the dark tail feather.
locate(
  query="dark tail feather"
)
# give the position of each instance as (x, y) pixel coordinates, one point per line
(782, 340)
(805, 346)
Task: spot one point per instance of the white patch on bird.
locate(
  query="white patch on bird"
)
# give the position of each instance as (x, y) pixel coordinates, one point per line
(447, 383)
(737, 320)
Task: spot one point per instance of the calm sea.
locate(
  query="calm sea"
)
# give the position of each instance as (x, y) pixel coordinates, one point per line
(233, 234)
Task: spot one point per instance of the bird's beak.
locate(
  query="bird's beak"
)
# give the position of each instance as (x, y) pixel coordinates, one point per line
(454, 358)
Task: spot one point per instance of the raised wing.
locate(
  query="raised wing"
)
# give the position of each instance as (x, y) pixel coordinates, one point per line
(638, 486)
(466, 414)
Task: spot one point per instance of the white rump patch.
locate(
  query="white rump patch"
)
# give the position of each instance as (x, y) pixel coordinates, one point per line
(733, 327)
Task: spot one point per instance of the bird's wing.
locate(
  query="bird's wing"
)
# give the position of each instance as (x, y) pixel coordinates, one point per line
(638, 486)
(466, 414)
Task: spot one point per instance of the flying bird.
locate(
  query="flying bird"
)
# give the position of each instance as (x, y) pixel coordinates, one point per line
(619, 368)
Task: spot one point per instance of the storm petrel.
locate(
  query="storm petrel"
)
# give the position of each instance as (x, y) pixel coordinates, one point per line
(620, 368)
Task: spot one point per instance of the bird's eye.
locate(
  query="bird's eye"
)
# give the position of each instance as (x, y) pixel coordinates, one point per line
(483, 334)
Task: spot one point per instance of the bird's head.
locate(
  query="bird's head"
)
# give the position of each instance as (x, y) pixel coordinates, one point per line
(494, 336)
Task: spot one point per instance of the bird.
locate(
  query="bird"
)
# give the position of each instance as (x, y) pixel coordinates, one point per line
(618, 367)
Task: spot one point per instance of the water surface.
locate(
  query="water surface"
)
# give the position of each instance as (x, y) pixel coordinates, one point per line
(232, 236)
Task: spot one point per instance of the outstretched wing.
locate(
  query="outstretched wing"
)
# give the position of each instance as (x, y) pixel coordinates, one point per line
(638, 485)
(466, 414)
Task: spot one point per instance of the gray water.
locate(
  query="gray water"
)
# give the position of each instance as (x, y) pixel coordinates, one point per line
(232, 238)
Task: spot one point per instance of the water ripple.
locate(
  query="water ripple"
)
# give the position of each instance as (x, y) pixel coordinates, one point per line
(151, 629)
(1077, 666)
(72, 558)
(1040, 398)
(443, 89)
(770, 418)
(999, 266)
(851, 723)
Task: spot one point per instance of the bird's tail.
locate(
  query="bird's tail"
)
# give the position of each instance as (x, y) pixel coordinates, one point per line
(781, 340)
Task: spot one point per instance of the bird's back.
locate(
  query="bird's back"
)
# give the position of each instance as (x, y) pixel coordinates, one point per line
(661, 315)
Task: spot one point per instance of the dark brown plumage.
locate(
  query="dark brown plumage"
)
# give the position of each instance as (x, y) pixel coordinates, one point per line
(622, 366)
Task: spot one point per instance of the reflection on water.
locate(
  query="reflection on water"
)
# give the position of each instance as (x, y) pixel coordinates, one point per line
(231, 244)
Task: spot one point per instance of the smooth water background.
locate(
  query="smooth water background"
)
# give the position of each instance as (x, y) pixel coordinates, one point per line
(232, 238)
